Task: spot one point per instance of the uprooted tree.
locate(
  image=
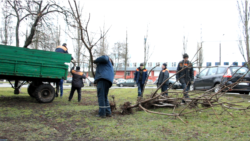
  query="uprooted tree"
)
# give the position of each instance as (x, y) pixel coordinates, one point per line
(208, 99)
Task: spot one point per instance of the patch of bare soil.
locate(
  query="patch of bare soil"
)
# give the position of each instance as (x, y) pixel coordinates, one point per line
(23, 102)
(88, 102)
(12, 101)
(64, 129)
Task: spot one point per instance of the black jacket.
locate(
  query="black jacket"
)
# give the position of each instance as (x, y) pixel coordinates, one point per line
(137, 74)
(77, 78)
(164, 74)
(188, 72)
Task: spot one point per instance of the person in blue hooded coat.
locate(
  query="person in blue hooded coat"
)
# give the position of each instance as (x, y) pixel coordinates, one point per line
(104, 77)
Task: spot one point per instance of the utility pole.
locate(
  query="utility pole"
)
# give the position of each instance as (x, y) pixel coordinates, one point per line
(200, 65)
(198, 57)
(220, 54)
(145, 50)
(126, 55)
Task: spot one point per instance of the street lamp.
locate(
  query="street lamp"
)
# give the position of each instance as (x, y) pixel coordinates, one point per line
(220, 50)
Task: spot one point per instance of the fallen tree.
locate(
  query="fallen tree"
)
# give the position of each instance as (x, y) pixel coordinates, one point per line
(206, 99)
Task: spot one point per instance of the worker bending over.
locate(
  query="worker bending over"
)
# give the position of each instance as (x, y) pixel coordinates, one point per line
(104, 79)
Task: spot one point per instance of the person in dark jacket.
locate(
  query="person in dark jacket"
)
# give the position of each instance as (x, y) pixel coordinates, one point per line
(141, 74)
(164, 75)
(186, 76)
(62, 49)
(104, 77)
(77, 82)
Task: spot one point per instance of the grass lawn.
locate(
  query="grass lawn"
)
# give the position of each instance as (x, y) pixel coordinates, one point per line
(22, 118)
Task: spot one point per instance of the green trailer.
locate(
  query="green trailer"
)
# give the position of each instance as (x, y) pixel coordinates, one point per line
(37, 67)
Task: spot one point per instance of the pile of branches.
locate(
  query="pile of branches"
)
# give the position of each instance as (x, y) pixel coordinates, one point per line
(206, 99)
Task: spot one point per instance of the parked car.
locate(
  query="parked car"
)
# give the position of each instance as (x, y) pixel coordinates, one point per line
(177, 85)
(114, 81)
(120, 81)
(89, 81)
(212, 77)
(128, 82)
(69, 80)
(150, 81)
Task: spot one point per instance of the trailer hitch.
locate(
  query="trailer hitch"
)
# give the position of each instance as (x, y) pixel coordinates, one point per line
(17, 87)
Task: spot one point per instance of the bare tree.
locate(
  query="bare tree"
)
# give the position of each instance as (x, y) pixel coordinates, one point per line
(37, 10)
(244, 14)
(125, 56)
(6, 33)
(103, 47)
(147, 52)
(58, 35)
(79, 49)
(199, 56)
(45, 39)
(185, 41)
(86, 38)
(116, 55)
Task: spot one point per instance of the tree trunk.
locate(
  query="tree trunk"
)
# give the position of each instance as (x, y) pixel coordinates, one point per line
(126, 56)
(5, 31)
(17, 33)
(36, 42)
(145, 51)
(32, 33)
(92, 62)
(89, 68)
(246, 30)
(59, 35)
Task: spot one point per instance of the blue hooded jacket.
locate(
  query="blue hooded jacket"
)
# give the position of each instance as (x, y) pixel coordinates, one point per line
(104, 69)
(137, 75)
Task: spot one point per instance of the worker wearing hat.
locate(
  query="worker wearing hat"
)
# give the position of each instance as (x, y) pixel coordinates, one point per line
(62, 49)
(186, 76)
(164, 75)
(140, 77)
(77, 82)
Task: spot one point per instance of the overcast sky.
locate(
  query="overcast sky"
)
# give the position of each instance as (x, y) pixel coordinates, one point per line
(167, 21)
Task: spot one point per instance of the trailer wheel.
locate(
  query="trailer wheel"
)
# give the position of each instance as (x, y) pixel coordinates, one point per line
(31, 90)
(45, 93)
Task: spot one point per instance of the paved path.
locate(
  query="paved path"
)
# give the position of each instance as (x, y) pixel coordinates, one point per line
(68, 86)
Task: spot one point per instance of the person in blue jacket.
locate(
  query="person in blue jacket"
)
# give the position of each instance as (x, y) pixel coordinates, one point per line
(141, 74)
(62, 49)
(104, 80)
